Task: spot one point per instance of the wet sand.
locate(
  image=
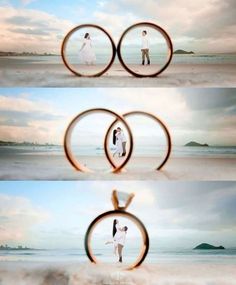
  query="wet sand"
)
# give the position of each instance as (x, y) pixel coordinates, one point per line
(86, 273)
(56, 167)
(23, 73)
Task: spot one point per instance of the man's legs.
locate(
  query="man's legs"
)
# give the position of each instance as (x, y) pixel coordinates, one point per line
(143, 56)
(120, 248)
(147, 55)
(124, 148)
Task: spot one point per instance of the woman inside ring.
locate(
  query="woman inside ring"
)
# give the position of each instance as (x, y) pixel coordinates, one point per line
(87, 54)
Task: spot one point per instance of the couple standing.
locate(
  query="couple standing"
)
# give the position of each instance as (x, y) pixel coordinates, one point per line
(119, 237)
(119, 140)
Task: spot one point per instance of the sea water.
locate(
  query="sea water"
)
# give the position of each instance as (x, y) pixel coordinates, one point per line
(155, 255)
(134, 58)
(145, 151)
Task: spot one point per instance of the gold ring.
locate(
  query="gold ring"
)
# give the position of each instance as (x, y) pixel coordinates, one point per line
(168, 42)
(118, 211)
(67, 140)
(64, 45)
(155, 118)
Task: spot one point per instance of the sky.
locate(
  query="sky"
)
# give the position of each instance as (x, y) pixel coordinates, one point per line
(42, 115)
(206, 26)
(55, 215)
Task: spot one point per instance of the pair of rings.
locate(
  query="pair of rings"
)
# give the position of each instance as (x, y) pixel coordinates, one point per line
(119, 211)
(117, 118)
(118, 50)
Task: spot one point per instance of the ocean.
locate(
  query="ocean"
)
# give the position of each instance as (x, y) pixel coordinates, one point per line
(149, 151)
(132, 58)
(155, 256)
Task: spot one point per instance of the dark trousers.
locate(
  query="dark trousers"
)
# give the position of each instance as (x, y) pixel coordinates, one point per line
(145, 54)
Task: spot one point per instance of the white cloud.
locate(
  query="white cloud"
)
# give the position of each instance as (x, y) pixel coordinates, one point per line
(17, 218)
(31, 30)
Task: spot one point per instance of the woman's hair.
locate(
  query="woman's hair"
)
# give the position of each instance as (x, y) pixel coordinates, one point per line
(126, 229)
(114, 230)
(114, 137)
(86, 35)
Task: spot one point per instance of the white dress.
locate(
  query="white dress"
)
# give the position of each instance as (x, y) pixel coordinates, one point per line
(119, 146)
(119, 237)
(87, 54)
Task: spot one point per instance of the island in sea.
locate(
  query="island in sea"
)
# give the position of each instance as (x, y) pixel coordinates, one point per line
(19, 247)
(193, 143)
(208, 246)
(181, 51)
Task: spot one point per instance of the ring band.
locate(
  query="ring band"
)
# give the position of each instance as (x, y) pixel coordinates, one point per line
(67, 140)
(155, 118)
(65, 41)
(163, 33)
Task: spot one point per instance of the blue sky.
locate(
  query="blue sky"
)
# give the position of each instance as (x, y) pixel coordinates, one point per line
(57, 214)
(33, 25)
(42, 115)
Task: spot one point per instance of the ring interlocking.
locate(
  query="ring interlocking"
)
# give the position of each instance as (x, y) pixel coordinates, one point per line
(115, 168)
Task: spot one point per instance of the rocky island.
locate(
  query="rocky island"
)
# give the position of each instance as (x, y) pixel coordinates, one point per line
(181, 51)
(193, 143)
(208, 246)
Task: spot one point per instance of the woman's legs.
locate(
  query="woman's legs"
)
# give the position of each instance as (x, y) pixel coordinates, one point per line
(120, 249)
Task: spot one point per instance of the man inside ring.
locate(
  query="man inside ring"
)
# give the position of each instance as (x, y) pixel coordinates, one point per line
(145, 48)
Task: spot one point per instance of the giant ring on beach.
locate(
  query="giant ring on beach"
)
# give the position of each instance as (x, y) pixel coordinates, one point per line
(67, 140)
(115, 168)
(121, 212)
(70, 66)
(164, 35)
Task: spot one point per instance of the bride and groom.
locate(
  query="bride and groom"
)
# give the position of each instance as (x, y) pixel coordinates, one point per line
(119, 140)
(119, 237)
(88, 55)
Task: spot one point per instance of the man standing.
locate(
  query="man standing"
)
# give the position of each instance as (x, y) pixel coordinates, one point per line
(145, 48)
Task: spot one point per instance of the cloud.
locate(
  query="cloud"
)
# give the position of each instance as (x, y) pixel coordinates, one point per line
(22, 119)
(17, 218)
(31, 30)
(203, 26)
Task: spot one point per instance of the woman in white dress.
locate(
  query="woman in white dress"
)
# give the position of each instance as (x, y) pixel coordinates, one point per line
(118, 143)
(87, 53)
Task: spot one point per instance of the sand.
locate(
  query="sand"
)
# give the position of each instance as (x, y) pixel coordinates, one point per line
(83, 274)
(24, 73)
(56, 167)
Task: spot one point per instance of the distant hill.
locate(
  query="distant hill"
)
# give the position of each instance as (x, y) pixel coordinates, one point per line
(208, 246)
(13, 53)
(6, 247)
(181, 51)
(10, 143)
(193, 143)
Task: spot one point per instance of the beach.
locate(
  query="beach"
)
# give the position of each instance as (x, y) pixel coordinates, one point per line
(86, 273)
(50, 72)
(44, 165)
